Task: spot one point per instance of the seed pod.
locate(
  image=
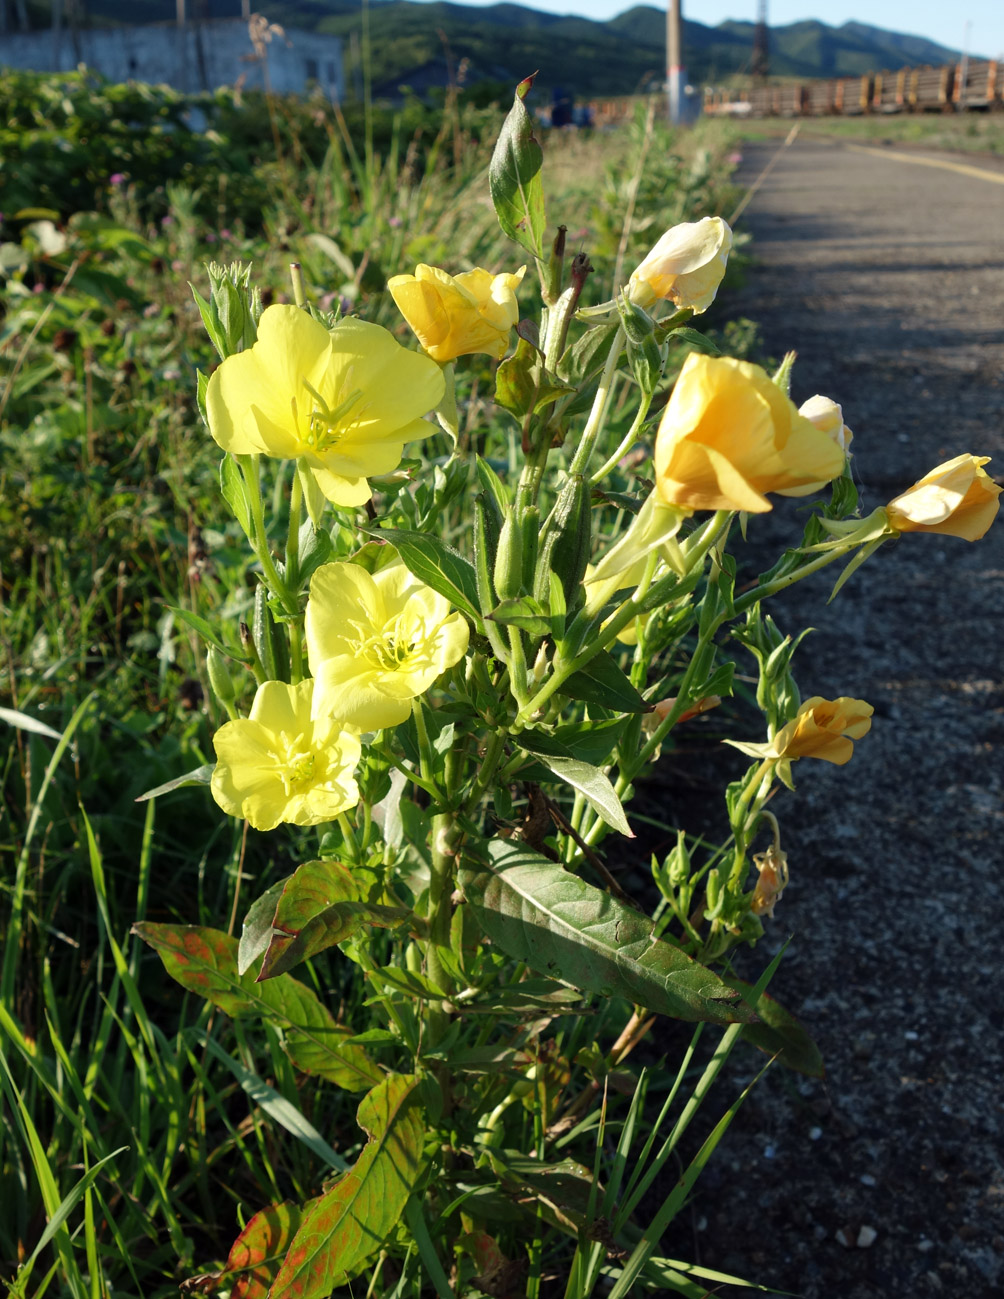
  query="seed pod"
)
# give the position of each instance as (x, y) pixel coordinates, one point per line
(530, 524)
(508, 571)
(219, 676)
(564, 547)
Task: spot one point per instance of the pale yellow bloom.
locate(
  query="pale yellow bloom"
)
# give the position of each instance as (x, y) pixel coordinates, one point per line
(957, 498)
(343, 402)
(376, 641)
(823, 728)
(455, 315)
(729, 435)
(280, 765)
(686, 265)
(828, 417)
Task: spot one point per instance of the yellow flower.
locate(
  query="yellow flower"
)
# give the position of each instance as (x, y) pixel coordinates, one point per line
(456, 315)
(957, 498)
(686, 265)
(376, 641)
(280, 765)
(342, 401)
(729, 435)
(823, 728)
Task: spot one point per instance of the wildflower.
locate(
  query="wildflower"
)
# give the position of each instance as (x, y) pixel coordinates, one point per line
(686, 265)
(957, 498)
(342, 401)
(828, 417)
(729, 435)
(116, 178)
(376, 641)
(279, 764)
(456, 315)
(823, 728)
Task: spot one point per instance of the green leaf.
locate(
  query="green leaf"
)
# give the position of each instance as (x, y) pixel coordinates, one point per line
(257, 1252)
(524, 613)
(235, 493)
(257, 931)
(595, 788)
(350, 1222)
(437, 565)
(523, 385)
(779, 1033)
(693, 337)
(211, 320)
(25, 722)
(562, 927)
(275, 1105)
(320, 905)
(587, 355)
(514, 177)
(205, 961)
(204, 629)
(200, 776)
(602, 682)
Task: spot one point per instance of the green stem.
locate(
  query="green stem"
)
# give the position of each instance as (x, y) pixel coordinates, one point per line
(494, 749)
(296, 278)
(601, 403)
(782, 583)
(249, 470)
(628, 441)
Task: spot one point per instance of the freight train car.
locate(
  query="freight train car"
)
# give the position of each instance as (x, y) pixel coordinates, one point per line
(971, 84)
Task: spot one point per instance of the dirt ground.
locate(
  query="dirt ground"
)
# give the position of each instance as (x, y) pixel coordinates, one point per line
(886, 1179)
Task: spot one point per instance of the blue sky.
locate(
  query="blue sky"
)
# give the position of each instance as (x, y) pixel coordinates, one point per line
(936, 19)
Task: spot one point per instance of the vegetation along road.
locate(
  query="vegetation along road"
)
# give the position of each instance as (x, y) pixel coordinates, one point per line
(884, 268)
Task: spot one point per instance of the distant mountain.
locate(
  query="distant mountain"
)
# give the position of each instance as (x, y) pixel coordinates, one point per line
(423, 45)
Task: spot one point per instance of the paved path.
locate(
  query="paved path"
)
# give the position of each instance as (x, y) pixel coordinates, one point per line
(886, 273)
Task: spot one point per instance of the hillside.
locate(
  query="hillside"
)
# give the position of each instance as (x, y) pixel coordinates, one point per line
(420, 45)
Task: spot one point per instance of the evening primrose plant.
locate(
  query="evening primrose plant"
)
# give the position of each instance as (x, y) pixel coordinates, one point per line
(469, 634)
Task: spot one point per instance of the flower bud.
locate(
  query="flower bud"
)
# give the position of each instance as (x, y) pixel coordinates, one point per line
(958, 499)
(686, 265)
(219, 676)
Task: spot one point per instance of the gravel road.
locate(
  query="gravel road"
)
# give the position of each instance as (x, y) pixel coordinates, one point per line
(887, 276)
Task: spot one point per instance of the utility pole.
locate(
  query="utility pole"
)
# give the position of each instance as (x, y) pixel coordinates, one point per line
(676, 73)
(761, 60)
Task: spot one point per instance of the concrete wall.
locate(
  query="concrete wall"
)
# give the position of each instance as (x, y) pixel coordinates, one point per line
(198, 56)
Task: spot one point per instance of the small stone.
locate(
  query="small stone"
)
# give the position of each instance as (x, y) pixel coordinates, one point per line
(815, 1134)
(866, 1237)
(911, 1035)
(924, 1245)
(844, 1238)
(769, 1152)
(867, 1179)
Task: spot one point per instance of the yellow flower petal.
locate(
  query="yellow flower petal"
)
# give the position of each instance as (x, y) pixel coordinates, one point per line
(344, 400)
(455, 316)
(685, 266)
(278, 765)
(823, 728)
(957, 498)
(729, 436)
(376, 641)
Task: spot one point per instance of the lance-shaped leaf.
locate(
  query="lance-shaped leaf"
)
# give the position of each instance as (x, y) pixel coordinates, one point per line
(205, 961)
(351, 1221)
(602, 682)
(437, 565)
(514, 176)
(562, 927)
(592, 783)
(320, 905)
(779, 1034)
(257, 1253)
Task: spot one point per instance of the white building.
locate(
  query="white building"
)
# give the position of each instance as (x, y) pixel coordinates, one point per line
(191, 55)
